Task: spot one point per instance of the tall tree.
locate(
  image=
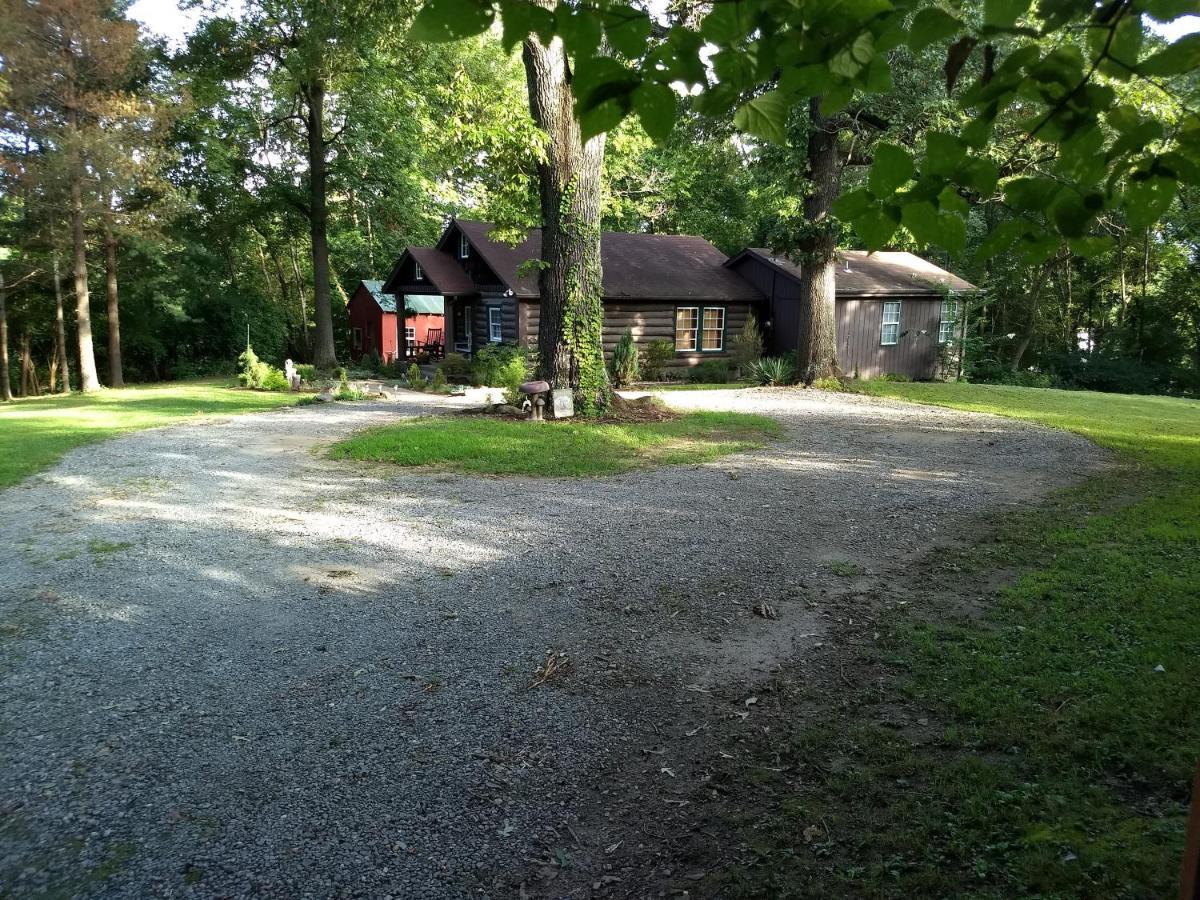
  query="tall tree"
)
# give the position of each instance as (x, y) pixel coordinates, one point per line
(570, 332)
(5, 377)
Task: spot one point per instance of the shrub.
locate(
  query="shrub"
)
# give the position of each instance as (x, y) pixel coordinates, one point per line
(251, 370)
(655, 356)
(829, 384)
(746, 347)
(455, 367)
(773, 370)
(711, 371)
(624, 365)
(307, 372)
(371, 362)
(415, 379)
(439, 381)
(503, 366)
(275, 380)
(894, 377)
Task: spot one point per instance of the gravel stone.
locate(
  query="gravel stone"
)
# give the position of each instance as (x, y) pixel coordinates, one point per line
(235, 668)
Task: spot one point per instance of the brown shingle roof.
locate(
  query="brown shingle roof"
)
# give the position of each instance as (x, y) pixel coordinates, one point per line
(883, 273)
(440, 269)
(636, 266)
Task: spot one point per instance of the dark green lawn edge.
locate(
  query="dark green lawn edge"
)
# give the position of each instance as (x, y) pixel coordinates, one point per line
(576, 448)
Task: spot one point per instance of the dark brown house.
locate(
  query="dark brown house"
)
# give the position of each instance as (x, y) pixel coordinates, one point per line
(684, 290)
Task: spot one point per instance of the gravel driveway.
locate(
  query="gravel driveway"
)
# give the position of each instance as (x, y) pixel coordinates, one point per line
(233, 668)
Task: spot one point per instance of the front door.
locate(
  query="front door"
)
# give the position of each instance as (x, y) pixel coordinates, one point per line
(462, 328)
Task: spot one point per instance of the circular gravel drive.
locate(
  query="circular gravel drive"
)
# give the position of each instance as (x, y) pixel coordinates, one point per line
(232, 667)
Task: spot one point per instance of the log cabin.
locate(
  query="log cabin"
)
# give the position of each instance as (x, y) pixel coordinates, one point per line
(894, 310)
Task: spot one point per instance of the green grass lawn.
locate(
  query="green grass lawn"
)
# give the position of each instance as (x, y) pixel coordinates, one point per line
(556, 449)
(1064, 725)
(36, 432)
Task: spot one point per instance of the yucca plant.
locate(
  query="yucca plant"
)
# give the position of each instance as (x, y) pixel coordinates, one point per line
(772, 370)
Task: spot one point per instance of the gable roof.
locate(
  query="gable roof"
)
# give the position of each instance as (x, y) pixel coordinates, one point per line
(429, 304)
(387, 302)
(879, 274)
(635, 266)
(441, 271)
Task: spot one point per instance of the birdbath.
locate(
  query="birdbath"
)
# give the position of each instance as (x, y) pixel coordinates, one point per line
(536, 391)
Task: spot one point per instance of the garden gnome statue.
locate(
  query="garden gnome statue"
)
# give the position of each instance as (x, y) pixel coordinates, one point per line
(293, 377)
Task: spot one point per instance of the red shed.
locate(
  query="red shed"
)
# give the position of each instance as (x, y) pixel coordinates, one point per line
(373, 321)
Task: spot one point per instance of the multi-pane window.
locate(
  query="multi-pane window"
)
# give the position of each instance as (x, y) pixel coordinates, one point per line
(948, 320)
(687, 324)
(418, 272)
(699, 328)
(712, 336)
(356, 338)
(495, 326)
(464, 247)
(890, 333)
(410, 333)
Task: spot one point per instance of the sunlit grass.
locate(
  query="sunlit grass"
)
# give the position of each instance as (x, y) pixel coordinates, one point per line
(556, 449)
(36, 432)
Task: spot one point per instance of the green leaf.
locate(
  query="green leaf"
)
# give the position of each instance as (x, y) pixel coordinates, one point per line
(1003, 13)
(804, 81)
(853, 204)
(950, 201)
(849, 62)
(1146, 200)
(1090, 246)
(931, 25)
(656, 105)
(627, 29)
(1030, 194)
(450, 20)
(891, 169)
(835, 98)
(979, 174)
(943, 153)
(728, 22)
(1002, 237)
(521, 19)
(603, 91)
(876, 226)
(765, 116)
(1070, 216)
(1175, 59)
(580, 29)
(928, 226)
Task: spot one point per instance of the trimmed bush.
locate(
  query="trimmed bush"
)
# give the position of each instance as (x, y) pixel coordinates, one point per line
(307, 372)
(624, 365)
(455, 367)
(711, 371)
(502, 366)
(275, 380)
(415, 379)
(439, 381)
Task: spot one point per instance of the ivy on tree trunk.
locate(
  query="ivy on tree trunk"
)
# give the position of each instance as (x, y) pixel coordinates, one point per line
(571, 323)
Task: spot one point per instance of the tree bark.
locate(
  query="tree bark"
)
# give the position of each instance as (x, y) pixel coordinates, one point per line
(1035, 294)
(325, 354)
(303, 303)
(116, 375)
(570, 335)
(817, 345)
(60, 330)
(31, 386)
(5, 381)
(88, 379)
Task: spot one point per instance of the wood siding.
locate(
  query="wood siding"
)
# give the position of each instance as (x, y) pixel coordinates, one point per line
(779, 319)
(649, 321)
(859, 325)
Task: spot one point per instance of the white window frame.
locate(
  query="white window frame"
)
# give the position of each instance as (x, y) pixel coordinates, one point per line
(695, 329)
(949, 318)
(410, 334)
(495, 324)
(356, 338)
(721, 338)
(464, 246)
(418, 272)
(890, 308)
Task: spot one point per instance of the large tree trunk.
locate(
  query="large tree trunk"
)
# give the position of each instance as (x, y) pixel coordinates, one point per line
(325, 354)
(817, 346)
(5, 381)
(306, 338)
(116, 375)
(60, 331)
(1035, 294)
(571, 330)
(88, 379)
